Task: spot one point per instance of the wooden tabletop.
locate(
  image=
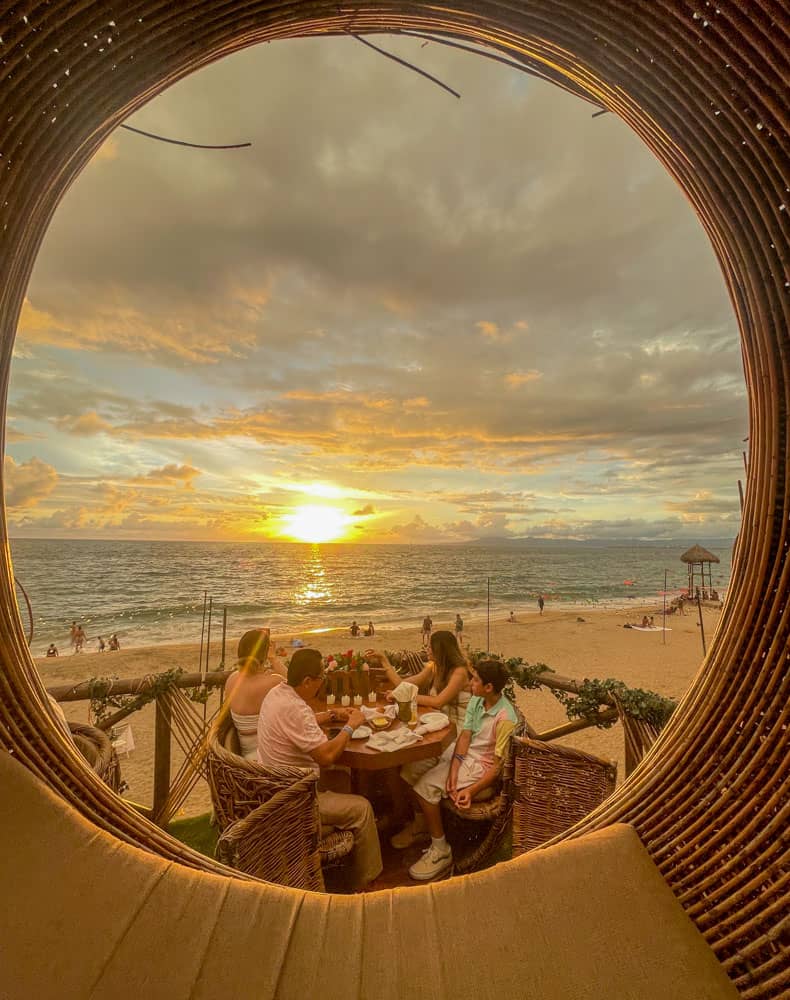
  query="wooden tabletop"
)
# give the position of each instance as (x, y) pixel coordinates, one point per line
(359, 756)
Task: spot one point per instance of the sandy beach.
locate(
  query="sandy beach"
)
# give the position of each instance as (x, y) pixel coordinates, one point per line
(578, 644)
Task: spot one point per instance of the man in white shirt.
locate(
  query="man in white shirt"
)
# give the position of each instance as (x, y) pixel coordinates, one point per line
(289, 735)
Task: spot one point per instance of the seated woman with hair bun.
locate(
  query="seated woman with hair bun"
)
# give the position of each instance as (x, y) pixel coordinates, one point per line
(256, 673)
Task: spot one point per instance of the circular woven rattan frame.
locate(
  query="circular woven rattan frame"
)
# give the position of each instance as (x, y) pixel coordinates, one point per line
(704, 85)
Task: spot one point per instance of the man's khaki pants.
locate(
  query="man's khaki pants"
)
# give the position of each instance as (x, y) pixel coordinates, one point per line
(354, 813)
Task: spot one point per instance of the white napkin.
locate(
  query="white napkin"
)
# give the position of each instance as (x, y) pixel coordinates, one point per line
(405, 691)
(389, 712)
(394, 740)
(432, 722)
(361, 733)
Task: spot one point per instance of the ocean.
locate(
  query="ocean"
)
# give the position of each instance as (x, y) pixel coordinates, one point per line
(153, 592)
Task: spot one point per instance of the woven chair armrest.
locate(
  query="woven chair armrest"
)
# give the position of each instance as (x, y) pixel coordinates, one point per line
(278, 841)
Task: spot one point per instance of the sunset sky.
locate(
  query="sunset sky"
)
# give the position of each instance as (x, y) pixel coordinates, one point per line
(398, 317)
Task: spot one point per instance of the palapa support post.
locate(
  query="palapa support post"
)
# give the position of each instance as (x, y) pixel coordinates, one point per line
(701, 625)
(162, 744)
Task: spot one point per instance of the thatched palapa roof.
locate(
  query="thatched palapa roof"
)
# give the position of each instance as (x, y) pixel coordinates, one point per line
(696, 554)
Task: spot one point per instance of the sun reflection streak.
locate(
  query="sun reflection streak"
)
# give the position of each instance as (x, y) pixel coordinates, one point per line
(315, 588)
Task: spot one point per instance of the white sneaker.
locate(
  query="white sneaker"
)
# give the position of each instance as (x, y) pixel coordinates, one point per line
(433, 862)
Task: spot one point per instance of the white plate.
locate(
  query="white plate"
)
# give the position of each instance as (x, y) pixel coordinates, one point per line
(361, 733)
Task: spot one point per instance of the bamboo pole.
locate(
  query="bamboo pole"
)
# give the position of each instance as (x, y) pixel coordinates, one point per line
(610, 715)
(202, 631)
(701, 626)
(488, 615)
(132, 685)
(204, 668)
(162, 746)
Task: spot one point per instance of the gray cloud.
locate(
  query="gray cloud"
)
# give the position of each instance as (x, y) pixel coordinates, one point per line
(499, 303)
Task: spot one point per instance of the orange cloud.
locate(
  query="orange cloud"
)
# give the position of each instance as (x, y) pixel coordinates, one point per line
(85, 424)
(515, 379)
(27, 483)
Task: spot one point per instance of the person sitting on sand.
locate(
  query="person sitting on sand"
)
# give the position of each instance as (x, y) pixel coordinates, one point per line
(53, 650)
(645, 622)
(257, 673)
(290, 735)
(512, 618)
(354, 629)
(464, 770)
(114, 644)
(370, 630)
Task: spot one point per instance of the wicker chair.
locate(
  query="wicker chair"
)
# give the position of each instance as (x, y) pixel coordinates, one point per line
(95, 746)
(639, 736)
(268, 818)
(554, 787)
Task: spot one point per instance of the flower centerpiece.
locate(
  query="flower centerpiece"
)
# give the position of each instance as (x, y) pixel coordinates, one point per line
(347, 673)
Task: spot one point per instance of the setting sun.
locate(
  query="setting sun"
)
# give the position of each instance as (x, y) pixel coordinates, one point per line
(313, 523)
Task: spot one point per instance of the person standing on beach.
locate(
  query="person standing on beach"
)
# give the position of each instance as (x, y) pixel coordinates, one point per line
(427, 628)
(459, 628)
(73, 635)
(541, 602)
(102, 644)
(79, 639)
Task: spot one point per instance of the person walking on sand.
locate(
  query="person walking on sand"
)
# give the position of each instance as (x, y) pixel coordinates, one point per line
(427, 628)
(459, 628)
(541, 603)
(79, 639)
(73, 635)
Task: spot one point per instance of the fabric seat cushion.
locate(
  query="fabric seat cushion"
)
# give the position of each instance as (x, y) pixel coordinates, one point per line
(86, 915)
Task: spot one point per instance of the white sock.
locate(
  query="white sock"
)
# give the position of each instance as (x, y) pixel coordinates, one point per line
(440, 843)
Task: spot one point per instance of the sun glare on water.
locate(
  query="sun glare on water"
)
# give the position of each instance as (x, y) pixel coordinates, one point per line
(314, 523)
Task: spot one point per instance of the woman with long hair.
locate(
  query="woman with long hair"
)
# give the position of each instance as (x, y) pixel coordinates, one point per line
(257, 672)
(446, 675)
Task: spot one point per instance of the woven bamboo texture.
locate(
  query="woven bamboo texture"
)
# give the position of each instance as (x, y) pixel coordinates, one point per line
(95, 746)
(705, 87)
(554, 787)
(268, 818)
(638, 736)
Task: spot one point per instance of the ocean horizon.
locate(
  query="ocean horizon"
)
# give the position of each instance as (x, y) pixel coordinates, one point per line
(152, 592)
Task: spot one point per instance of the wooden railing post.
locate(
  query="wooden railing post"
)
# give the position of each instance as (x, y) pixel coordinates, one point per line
(162, 753)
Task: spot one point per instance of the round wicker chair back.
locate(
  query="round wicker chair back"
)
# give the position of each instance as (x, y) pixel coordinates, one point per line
(95, 746)
(554, 787)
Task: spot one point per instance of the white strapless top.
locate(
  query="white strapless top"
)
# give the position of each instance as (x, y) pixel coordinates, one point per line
(247, 728)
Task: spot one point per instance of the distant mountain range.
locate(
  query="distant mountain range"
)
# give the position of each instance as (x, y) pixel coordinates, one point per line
(548, 543)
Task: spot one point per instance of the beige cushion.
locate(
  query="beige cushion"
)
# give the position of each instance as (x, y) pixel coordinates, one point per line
(85, 915)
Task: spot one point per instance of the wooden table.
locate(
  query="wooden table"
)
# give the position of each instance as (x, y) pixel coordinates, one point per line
(360, 757)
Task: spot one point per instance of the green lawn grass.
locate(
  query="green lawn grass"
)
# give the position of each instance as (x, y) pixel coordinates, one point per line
(196, 832)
